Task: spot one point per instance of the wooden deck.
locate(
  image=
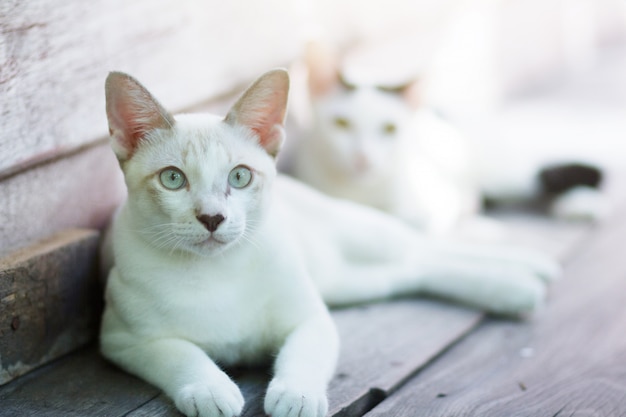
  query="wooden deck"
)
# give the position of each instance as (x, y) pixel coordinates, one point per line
(416, 357)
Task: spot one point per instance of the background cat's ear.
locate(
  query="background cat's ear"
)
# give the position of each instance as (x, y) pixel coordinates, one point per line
(262, 108)
(323, 68)
(132, 112)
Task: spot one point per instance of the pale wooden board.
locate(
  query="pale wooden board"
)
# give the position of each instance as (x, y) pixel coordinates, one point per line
(569, 360)
(54, 57)
(384, 344)
(49, 301)
(79, 191)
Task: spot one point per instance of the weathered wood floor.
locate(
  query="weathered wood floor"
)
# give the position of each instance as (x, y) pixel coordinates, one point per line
(420, 357)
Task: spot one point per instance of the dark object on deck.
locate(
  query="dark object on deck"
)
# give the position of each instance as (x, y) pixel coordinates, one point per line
(558, 179)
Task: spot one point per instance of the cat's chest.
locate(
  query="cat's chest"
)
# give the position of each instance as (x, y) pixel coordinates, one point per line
(229, 322)
(230, 316)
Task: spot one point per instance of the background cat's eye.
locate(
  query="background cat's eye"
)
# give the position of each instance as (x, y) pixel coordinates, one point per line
(341, 122)
(240, 177)
(172, 178)
(389, 128)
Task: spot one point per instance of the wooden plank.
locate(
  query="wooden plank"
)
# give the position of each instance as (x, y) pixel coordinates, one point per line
(82, 384)
(570, 360)
(384, 344)
(85, 384)
(49, 299)
(79, 191)
(54, 58)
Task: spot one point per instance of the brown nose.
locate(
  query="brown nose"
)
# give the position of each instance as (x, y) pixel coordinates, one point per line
(211, 222)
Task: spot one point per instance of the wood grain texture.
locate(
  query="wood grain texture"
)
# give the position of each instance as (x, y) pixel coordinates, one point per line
(55, 56)
(79, 191)
(82, 384)
(384, 344)
(49, 301)
(569, 360)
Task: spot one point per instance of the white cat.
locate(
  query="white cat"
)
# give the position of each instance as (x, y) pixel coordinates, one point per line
(379, 146)
(369, 146)
(218, 261)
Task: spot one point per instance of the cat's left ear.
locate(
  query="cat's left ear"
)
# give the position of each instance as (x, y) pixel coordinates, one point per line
(262, 109)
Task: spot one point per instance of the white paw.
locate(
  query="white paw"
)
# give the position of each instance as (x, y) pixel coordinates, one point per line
(529, 297)
(581, 204)
(286, 400)
(523, 294)
(210, 399)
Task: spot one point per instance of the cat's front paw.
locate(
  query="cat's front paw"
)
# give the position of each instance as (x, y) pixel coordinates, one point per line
(524, 295)
(288, 400)
(210, 399)
(581, 204)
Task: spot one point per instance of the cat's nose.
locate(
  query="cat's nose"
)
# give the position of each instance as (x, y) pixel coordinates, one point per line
(211, 222)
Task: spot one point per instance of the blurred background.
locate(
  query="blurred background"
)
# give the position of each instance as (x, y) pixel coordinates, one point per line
(519, 74)
(531, 78)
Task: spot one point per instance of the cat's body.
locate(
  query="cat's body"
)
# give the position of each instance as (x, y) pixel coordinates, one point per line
(218, 261)
(379, 146)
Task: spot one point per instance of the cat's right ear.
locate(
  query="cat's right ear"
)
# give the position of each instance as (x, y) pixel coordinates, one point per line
(262, 109)
(132, 112)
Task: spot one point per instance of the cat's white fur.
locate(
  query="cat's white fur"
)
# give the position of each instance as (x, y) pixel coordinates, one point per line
(184, 299)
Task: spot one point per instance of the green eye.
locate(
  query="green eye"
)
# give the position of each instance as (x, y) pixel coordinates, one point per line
(240, 177)
(172, 178)
(389, 128)
(341, 123)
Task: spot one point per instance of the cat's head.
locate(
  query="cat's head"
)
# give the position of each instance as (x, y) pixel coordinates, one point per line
(359, 125)
(197, 183)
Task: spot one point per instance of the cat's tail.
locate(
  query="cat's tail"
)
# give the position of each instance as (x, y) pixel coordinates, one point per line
(574, 191)
(560, 178)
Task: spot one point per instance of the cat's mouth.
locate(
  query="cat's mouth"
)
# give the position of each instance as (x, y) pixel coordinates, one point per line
(212, 240)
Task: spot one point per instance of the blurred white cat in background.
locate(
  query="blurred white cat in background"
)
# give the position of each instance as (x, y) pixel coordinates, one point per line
(378, 145)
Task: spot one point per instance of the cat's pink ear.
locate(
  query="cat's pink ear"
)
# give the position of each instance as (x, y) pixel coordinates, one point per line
(262, 109)
(323, 68)
(132, 113)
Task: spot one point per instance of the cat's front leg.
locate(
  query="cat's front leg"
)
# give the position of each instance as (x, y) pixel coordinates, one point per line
(180, 368)
(303, 368)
